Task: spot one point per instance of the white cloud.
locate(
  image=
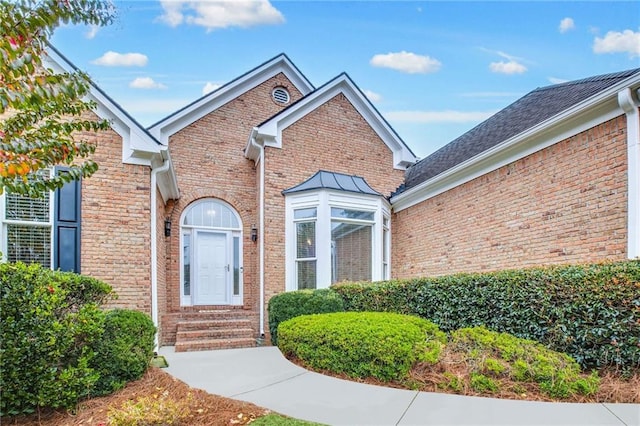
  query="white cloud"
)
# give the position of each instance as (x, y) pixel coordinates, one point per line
(210, 87)
(220, 14)
(406, 62)
(92, 31)
(511, 67)
(556, 80)
(566, 24)
(618, 42)
(373, 96)
(115, 59)
(146, 83)
(438, 116)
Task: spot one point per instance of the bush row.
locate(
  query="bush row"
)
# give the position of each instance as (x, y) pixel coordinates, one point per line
(591, 312)
(295, 303)
(56, 344)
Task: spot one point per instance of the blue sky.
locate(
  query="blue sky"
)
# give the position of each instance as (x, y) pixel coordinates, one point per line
(433, 69)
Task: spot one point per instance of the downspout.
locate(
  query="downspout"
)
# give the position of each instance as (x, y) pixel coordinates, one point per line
(630, 107)
(261, 240)
(259, 158)
(154, 245)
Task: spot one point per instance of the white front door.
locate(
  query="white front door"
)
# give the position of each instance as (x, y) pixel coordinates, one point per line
(211, 268)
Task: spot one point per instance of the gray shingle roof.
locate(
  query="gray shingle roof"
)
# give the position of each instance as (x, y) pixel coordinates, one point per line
(330, 180)
(528, 111)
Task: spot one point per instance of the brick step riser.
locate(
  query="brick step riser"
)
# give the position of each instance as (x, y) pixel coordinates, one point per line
(217, 324)
(215, 344)
(201, 316)
(187, 336)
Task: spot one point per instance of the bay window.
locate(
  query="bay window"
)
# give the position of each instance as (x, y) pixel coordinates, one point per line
(335, 235)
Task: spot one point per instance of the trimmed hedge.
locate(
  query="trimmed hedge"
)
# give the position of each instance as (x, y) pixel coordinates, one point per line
(291, 304)
(48, 322)
(591, 312)
(125, 350)
(361, 344)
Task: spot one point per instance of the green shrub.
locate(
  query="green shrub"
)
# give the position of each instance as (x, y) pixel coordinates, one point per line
(125, 350)
(48, 322)
(482, 383)
(361, 344)
(497, 354)
(291, 304)
(591, 312)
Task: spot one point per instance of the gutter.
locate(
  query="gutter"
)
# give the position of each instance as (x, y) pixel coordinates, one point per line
(629, 105)
(166, 165)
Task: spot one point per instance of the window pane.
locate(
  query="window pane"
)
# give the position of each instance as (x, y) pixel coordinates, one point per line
(305, 213)
(306, 274)
(350, 252)
(29, 244)
(351, 214)
(27, 208)
(305, 240)
(236, 266)
(211, 214)
(186, 259)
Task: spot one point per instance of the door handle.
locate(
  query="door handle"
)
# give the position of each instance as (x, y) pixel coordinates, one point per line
(228, 268)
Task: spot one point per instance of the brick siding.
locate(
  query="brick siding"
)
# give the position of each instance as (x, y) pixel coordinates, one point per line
(209, 162)
(333, 137)
(564, 204)
(115, 228)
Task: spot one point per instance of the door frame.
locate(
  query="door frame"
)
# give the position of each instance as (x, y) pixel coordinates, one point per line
(235, 256)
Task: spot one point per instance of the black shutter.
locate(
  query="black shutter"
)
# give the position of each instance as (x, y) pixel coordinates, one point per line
(66, 226)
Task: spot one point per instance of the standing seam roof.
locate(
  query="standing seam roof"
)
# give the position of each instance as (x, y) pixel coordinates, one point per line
(330, 180)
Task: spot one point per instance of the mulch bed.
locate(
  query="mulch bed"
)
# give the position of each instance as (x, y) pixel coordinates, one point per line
(204, 408)
(213, 410)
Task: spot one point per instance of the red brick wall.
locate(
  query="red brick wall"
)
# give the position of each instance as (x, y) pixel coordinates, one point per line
(115, 228)
(334, 137)
(209, 161)
(564, 204)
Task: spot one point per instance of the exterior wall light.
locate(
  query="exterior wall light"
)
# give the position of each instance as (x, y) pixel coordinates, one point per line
(254, 233)
(167, 227)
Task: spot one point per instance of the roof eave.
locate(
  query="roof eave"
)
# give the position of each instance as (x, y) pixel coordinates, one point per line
(602, 105)
(171, 124)
(272, 129)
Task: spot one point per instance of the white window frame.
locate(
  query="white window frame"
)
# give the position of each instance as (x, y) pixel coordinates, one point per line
(5, 222)
(297, 261)
(189, 231)
(323, 200)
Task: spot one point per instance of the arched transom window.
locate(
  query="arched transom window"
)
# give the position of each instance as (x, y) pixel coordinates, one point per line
(211, 254)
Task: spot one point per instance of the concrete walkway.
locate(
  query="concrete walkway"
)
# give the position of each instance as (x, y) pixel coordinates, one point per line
(266, 378)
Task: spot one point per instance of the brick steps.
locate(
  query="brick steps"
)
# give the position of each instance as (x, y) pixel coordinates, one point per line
(203, 345)
(216, 329)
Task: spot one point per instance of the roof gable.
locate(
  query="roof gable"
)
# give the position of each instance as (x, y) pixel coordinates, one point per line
(270, 131)
(138, 145)
(219, 97)
(536, 107)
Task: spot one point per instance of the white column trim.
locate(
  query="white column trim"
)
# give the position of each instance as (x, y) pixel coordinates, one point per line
(629, 105)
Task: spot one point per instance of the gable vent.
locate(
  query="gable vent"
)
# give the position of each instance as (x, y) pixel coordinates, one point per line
(281, 95)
